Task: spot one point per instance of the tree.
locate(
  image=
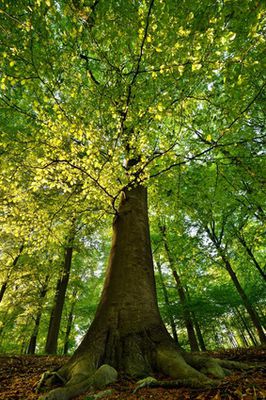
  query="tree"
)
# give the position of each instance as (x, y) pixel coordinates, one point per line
(127, 331)
(112, 99)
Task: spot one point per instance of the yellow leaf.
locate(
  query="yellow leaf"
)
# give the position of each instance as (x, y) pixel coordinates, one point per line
(232, 36)
(12, 63)
(162, 68)
(209, 138)
(196, 67)
(180, 69)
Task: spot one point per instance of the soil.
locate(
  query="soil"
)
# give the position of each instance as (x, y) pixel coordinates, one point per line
(19, 374)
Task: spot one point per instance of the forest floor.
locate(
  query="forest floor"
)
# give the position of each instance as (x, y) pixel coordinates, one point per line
(19, 374)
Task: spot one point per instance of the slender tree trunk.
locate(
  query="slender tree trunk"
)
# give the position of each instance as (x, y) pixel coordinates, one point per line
(197, 326)
(69, 323)
(241, 328)
(182, 296)
(242, 335)
(3, 289)
(251, 255)
(59, 299)
(249, 331)
(33, 338)
(167, 303)
(186, 313)
(199, 334)
(250, 310)
(5, 283)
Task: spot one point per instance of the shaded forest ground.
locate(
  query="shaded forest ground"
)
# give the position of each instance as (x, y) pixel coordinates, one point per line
(19, 374)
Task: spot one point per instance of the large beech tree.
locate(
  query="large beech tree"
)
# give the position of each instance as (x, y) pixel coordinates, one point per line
(99, 99)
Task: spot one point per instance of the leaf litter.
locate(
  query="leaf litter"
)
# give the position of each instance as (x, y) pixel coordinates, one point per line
(19, 374)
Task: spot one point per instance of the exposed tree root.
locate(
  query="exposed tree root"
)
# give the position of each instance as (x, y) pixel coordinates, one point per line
(68, 391)
(177, 383)
(193, 370)
(214, 367)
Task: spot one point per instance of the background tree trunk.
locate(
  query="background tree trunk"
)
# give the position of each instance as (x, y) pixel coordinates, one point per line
(69, 322)
(182, 296)
(167, 303)
(5, 283)
(251, 255)
(250, 310)
(59, 299)
(33, 339)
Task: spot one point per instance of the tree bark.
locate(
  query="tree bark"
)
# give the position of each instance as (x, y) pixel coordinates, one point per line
(59, 299)
(167, 303)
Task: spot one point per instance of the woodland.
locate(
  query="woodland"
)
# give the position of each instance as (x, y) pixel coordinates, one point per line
(132, 197)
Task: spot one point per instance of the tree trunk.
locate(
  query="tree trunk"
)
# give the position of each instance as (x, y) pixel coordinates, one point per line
(199, 334)
(186, 313)
(241, 332)
(182, 296)
(69, 323)
(33, 339)
(251, 255)
(167, 303)
(3, 289)
(127, 331)
(197, 326)
(59, 299)
(5, 283)
(244, 322)
(250, 310)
